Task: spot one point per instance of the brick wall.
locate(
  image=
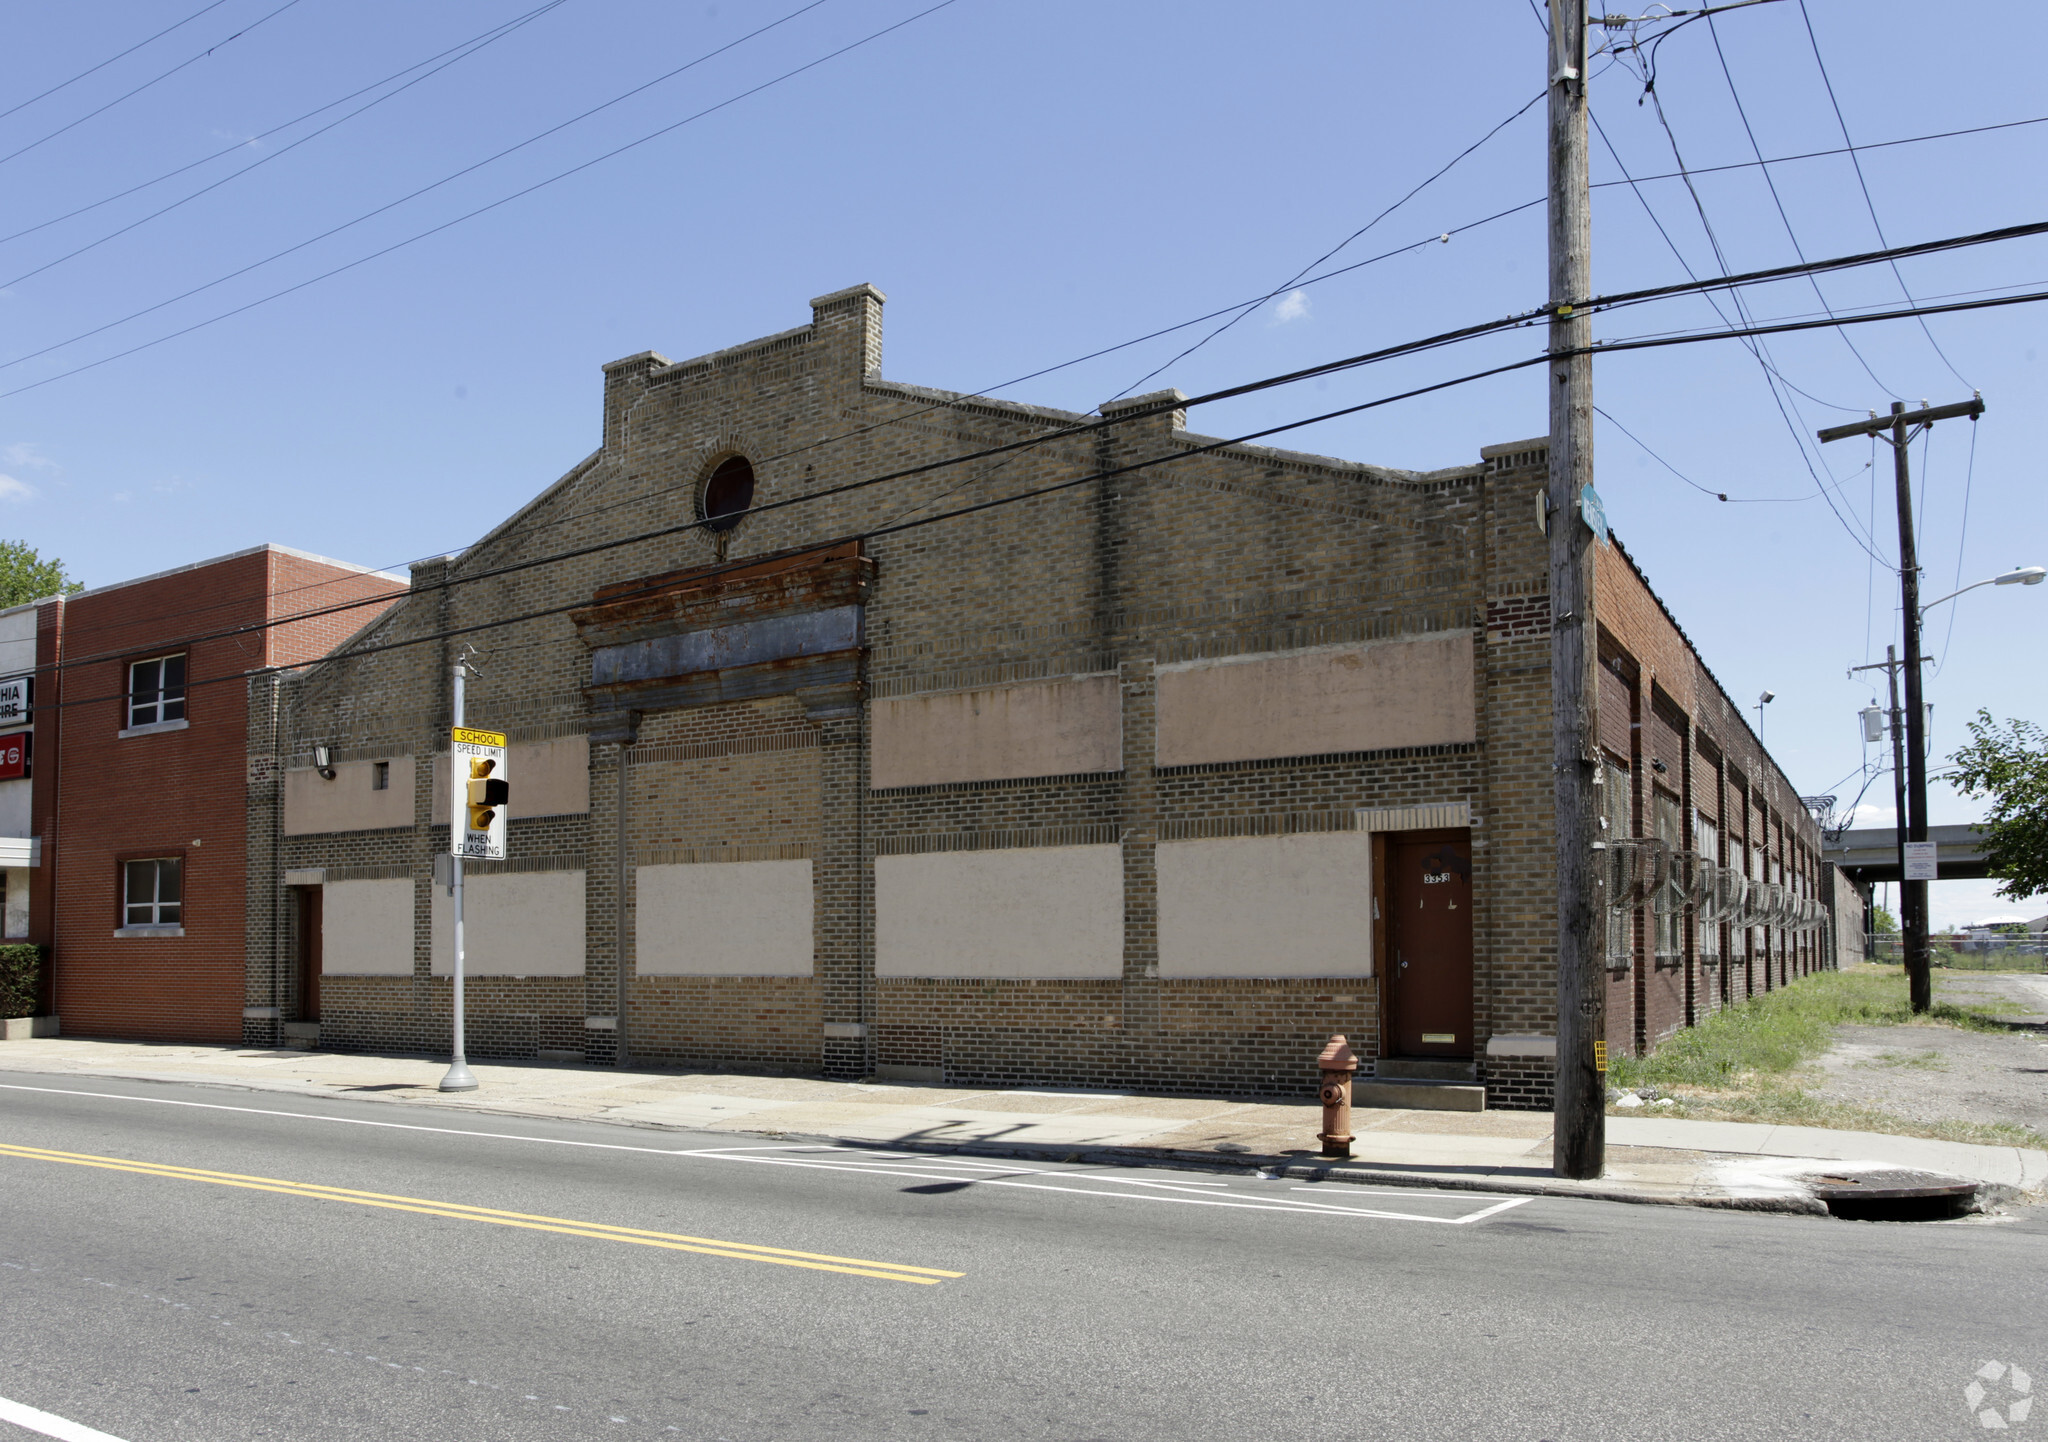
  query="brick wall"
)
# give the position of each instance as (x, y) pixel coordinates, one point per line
(180, 793)
(1202, 554)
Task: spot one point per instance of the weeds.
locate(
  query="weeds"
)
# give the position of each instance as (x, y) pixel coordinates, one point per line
(1739, 1065)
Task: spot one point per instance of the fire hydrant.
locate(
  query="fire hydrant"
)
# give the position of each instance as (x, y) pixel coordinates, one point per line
(1338, 1064)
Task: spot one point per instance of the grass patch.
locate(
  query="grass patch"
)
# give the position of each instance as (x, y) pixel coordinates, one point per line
(1741, 1064)
(1789, 1106)
(1923, 1060)
(1775, 1033)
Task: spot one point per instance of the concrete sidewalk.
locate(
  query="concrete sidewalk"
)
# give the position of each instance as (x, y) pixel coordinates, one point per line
(1722, 1164)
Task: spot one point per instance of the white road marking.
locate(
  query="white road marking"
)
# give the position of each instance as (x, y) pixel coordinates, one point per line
(859, 1162)
(51, 1425)
(1275, 1204)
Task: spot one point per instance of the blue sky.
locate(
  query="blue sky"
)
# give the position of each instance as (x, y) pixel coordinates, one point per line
(1028, 183)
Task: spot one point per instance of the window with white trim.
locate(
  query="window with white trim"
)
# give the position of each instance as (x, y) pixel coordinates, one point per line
(156, 690)
(152, 892)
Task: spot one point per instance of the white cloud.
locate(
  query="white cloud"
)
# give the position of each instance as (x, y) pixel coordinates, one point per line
(1293, 306)
(25, 457)
(13, 490)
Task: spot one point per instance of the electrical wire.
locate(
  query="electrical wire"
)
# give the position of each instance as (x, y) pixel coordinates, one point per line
(1962, 544)
(1334, 250)
(458, 220)
(1703, 490)
(1863, 183)
(130, 95)
(95, 69)
(1546, 357)
(1756, 353)
(1519, 319)
(1771, 184)
(488, 38)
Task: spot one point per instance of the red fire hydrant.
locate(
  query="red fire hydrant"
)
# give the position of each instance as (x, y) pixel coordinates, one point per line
(1337, 1064)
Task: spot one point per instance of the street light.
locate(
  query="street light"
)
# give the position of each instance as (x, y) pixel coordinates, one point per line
(2017, 576)
(1762, 701)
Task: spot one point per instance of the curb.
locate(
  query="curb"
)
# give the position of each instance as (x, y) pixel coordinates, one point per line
(1289, 1167)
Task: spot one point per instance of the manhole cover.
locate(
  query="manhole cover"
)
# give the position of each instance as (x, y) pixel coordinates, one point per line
(1893, 1195)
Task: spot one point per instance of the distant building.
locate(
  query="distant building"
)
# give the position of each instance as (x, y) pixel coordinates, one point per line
(21, 850)
(1153, 780)
(143, 773)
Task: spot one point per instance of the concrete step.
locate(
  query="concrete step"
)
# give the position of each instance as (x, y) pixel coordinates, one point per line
(1439, 1069)
(301, 1035)
(1425, 1096)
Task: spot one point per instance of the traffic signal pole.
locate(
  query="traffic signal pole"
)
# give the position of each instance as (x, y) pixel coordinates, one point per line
(1898, 429)
(458, 1078)
(1579, 1145)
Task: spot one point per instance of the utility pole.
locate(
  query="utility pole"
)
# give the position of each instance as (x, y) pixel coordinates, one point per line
(1912, 894)
(1890, 666)
(459, 1077)
(1579, 1146)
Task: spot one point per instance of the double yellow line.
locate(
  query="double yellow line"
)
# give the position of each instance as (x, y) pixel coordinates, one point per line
(462, 1212)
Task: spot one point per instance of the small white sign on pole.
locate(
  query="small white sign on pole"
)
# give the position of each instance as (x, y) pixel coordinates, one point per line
(1920, 861)
(479, 792)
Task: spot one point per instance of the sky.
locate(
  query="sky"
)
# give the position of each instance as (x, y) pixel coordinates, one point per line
(1029, 184)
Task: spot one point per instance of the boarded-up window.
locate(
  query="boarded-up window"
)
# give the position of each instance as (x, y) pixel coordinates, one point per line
(727, 918)
(1307, 703)
(1266, 906)
(366, 928)
(1049, 728)
(515, 924)
(1053, 911)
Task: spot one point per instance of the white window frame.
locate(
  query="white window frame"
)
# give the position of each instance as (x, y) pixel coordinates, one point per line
(153, 920)
(154, 714)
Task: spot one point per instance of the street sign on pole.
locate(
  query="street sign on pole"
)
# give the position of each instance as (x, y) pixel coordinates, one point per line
(1921, 861)
(479, 791)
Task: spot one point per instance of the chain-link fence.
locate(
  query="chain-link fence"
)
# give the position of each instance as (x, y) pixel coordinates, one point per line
(1962, 953)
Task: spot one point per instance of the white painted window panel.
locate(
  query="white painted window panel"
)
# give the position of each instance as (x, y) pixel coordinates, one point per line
(366, 928)
(1266, 906)
(521, 923)
(1047, 912)
(724, 918)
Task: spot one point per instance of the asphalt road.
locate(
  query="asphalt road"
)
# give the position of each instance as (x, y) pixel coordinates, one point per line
(180, 1262)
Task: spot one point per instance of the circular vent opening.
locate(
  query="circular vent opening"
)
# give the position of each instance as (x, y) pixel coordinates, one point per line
(729, 492)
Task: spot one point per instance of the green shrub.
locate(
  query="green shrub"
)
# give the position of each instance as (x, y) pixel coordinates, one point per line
(21, 974)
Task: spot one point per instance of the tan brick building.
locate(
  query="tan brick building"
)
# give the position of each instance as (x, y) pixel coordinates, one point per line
(1153, 780)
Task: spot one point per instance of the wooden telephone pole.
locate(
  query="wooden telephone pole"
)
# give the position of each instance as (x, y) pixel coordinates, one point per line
(1579, 1147)
(1898, 429)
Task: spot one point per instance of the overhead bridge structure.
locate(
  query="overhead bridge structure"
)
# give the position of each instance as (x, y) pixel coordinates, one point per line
(1871, 855)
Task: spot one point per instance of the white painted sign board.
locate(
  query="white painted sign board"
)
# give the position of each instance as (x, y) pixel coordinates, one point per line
(1920, 861)
(16, 695)
(477, 793)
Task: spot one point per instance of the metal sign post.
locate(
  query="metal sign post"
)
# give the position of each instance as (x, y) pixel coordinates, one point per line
(478, 796)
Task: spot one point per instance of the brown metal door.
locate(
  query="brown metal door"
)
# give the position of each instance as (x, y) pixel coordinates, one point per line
(1429, 945)
(308, 924)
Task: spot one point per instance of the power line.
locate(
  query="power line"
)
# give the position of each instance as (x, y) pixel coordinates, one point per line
(1772, 185)
(130, 95)
(1754, 351)
(1137, 413)
(1618, 300)
(447, 57)
(1703, 490)
(1446, 169)
(444, 180)
(892, 528)
(1864, 185)
(1962, 542)
(95, 69)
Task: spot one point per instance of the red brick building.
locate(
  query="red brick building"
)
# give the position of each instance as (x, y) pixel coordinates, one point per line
(142, 720)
